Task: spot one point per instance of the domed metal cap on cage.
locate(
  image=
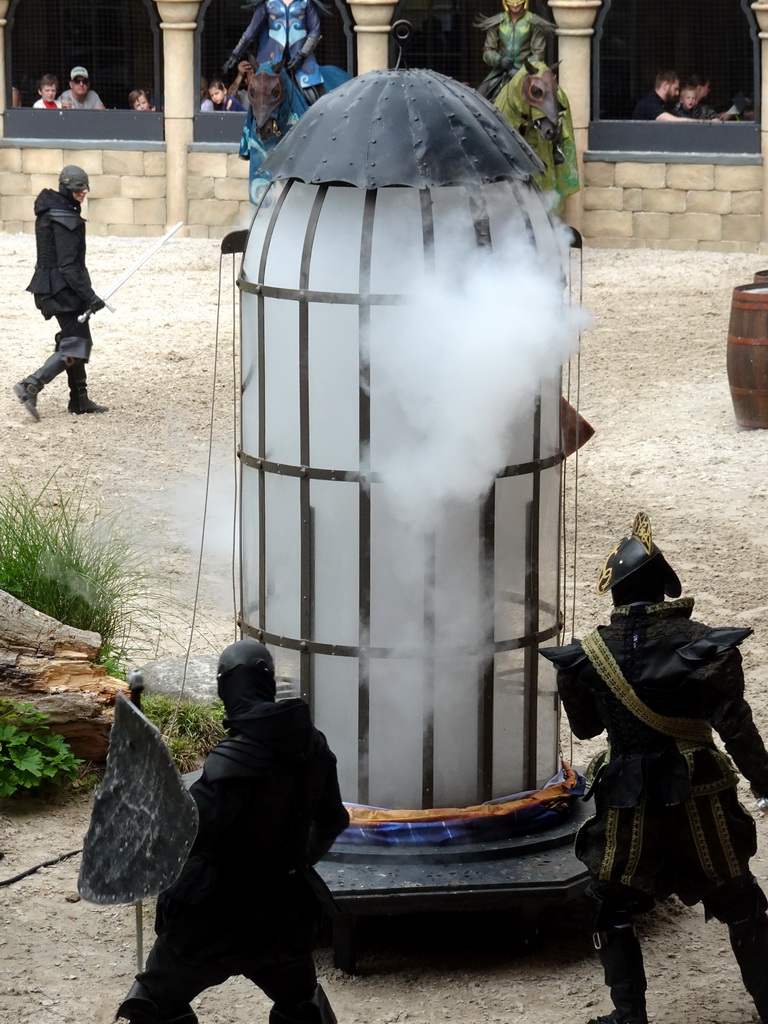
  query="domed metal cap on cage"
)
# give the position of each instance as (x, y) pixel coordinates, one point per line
(409, 127)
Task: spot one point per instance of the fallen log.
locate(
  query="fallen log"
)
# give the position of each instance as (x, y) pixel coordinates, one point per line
(49, 664)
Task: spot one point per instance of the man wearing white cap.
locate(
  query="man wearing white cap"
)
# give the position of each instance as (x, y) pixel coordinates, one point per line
(79, 95)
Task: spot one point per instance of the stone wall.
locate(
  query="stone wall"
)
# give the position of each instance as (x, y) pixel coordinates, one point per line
(672, 206)
(218, 194)
(128, 189)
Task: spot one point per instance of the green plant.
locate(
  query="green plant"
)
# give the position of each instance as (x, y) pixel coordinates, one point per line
(114, 659)
(64, 558)
(30, 753)
(195, 728)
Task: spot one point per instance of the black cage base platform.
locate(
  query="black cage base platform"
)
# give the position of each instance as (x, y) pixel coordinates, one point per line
(522, 874)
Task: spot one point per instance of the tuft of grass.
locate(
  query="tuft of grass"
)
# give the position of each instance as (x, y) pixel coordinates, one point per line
(64, 558)
(196, 731)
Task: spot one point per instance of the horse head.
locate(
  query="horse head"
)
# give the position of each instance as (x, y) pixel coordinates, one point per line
(266, 92)
(539, 90)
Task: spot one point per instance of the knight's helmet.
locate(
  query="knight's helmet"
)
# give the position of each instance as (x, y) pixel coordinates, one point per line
(74, 179)
(638, 565)
(508, 4)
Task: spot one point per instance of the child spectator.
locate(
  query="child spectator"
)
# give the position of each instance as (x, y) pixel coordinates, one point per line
(221, 99)
(47, 88)
(206, 104)
(139, 100)
(687, 102)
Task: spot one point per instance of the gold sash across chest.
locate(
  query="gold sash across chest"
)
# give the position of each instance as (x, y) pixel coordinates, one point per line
(604, 663)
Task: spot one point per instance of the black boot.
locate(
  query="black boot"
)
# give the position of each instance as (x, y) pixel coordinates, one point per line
(79, 402)
(28, 389)
(27, 395)
(139, 1008)
(316, 1010)
(749, 941)
(622, 961)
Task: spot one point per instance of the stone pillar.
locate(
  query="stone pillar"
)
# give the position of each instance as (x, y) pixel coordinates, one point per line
(373, 20)
(574, 19)
(3, 23)
(761, 13)
(179, 21)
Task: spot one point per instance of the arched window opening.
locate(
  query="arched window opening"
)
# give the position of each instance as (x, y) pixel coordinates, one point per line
(118, 41)
(220, 25)
(714, 42)
(445, 38)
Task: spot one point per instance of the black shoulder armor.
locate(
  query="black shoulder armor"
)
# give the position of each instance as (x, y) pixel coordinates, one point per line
(567, 657)
(713, 643)
(237, 757)
(70, 219)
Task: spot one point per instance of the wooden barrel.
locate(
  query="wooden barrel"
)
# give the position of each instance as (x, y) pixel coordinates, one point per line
(761, 277)
(748, 355)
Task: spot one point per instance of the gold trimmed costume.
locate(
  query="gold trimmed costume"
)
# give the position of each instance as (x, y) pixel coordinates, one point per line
(667, 816)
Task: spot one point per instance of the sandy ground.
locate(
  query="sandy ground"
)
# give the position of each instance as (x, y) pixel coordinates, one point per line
(654, 386)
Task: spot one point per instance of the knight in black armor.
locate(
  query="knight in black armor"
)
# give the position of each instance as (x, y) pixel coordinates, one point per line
(248, 900)
(667, 819)
(62, 289)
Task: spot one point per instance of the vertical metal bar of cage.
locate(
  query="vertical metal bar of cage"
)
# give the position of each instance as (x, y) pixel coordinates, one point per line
(261, 358)
(428, 721)
(306, 553)
(532, 592)
(364, 499)
(430, 557)
(487, 527)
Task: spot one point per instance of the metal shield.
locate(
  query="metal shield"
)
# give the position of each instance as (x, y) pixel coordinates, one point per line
(143, 821)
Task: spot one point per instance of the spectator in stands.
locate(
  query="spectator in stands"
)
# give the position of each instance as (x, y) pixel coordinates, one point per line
(221, 99)
(139, 100)
(79, 95)
(656, 106)
(47, 88)
(687, 102)
(238, 87)
(206, 103)
(702, 111)
(15, 97)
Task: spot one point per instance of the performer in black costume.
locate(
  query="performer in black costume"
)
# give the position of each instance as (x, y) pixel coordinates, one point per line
(247, 900)
(667, 818)
(62, 288)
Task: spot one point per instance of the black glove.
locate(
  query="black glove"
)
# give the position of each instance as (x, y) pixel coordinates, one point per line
(295, 61)
(231, 63)
(95, 304)
(506, 64)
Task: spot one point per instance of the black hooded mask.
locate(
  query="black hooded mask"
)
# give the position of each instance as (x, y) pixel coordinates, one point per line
(246, 679)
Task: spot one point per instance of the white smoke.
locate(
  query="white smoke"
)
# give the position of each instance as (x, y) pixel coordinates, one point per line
(459, 369)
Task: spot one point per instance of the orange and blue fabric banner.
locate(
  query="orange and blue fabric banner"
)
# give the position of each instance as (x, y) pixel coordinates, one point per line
(505, 817)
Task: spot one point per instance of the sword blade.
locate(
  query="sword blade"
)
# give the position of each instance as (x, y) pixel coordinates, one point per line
(141, 261)
(132, 270)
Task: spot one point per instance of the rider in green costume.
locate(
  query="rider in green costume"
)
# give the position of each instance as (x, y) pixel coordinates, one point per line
(511, 37)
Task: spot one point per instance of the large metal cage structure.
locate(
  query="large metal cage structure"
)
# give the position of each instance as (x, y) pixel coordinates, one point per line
(415, 644)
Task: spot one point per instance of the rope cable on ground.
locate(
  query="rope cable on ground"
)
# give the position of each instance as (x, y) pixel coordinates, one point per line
(45, 864)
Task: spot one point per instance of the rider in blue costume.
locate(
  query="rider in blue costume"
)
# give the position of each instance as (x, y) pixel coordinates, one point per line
(278, 30)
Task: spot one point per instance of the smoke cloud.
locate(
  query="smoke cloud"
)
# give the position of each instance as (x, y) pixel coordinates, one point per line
(462, 367)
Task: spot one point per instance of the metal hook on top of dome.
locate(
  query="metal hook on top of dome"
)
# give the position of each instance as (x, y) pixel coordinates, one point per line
(401, 31)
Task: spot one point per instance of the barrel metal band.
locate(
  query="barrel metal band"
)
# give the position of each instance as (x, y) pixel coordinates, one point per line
(734, 339)
(350, 651)
(315, 473)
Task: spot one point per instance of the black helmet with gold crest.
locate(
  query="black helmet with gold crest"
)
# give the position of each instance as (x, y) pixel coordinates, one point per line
(638, 567)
